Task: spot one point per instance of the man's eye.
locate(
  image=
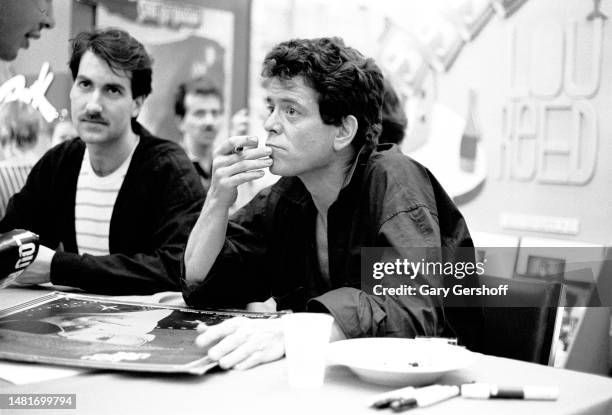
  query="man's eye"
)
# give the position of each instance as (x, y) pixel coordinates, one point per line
(113, 91)
(270, 108)
(291, 111)
(84, 84)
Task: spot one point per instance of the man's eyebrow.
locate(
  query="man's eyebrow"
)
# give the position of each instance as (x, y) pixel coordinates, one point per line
(285, 100)
(111, 84)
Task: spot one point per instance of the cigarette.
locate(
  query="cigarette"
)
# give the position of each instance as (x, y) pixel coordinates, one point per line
(238, 149)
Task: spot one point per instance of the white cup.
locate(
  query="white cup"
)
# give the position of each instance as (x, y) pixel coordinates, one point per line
(306, 339)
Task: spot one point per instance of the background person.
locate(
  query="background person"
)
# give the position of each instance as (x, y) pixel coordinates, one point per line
(394, 120)
(113, 207)
(199, 108)
(22, 128)
(22, 21)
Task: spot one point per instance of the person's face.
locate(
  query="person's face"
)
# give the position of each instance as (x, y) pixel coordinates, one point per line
(203, 119)
(20, 21)
(301, 143)
(101, 102)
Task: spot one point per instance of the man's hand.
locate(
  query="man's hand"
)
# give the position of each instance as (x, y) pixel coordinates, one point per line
(242, 343)
(39, 271)
(236, 161)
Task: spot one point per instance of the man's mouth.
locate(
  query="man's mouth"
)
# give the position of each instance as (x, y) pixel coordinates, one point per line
(94, 121)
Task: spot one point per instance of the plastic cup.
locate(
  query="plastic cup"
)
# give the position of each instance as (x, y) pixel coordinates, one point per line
(306, 339)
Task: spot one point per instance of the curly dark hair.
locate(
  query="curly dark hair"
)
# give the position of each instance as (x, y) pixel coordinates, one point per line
(120, 51)
(394, 121)
(346, 82)
(200, 86)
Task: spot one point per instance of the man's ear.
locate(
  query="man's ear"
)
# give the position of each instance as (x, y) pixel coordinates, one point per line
(346, 132)
(138, 103)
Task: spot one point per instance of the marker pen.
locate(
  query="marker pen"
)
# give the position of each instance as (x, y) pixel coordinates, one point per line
(487, 391)
(425, 397)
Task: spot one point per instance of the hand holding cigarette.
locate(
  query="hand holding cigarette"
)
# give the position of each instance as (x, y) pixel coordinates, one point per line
(238, 160)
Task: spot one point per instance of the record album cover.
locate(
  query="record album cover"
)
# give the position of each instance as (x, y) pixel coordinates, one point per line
(97, 332)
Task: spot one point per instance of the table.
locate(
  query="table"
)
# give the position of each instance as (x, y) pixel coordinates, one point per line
(264, 389)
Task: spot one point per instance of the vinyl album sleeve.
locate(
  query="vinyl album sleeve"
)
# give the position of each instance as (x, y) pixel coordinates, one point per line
(97, 332)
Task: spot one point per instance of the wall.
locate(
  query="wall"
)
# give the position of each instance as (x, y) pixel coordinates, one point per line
(483, 65)
(491, 194)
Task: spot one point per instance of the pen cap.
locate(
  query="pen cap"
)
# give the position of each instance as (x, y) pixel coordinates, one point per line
(476, 390)
(544, 393)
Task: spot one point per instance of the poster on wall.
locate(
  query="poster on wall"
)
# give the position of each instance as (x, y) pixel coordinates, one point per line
(186, 40)
(470, 16)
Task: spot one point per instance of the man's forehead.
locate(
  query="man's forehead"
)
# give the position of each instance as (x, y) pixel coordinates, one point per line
(201, 98)
(291, 88)
(92, 64)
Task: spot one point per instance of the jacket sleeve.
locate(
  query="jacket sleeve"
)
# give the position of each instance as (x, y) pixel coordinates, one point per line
(239, 274)
(24, 207)
(360, 313)
(153, 265)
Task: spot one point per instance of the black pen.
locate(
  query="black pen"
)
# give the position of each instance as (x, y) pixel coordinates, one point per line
(487, 391)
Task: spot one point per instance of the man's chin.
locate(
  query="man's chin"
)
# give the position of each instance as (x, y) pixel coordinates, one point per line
(8, 55)
(206, 141)
(281, 170)
(93, 138)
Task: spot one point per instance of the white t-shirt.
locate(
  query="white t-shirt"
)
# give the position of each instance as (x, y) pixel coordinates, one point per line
(95, 200)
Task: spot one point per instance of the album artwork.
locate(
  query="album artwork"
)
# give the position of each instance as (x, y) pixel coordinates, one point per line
(95, 332)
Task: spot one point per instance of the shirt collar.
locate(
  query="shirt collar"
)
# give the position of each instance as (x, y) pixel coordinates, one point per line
(360, 161)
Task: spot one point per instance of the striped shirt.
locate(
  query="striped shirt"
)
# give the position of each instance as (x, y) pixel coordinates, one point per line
(95, 200)
(13, 176)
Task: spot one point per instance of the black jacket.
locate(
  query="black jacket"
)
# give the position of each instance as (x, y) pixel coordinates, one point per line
(388, 200)
(157, 205)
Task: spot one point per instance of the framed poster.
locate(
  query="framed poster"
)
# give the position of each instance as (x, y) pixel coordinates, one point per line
(545, 267)
(187, 39)
(97, 332)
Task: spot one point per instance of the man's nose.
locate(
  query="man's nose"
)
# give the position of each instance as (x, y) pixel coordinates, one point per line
(209, 119)
(93, 103)
(49, 17)
(272, 123)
